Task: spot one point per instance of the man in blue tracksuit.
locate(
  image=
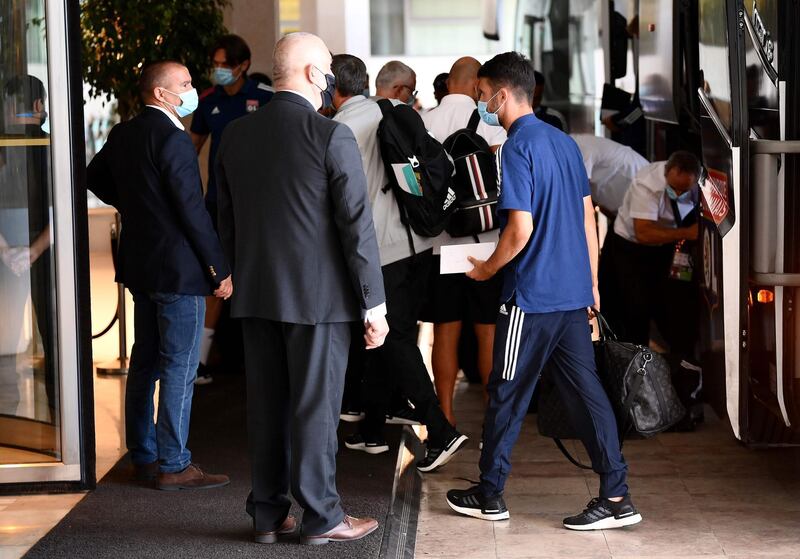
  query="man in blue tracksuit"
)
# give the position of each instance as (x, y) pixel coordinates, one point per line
(548, 253)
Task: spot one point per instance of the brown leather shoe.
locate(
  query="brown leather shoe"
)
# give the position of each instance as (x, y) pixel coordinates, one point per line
(287, 528)
(348, 530)
(191, 477)
(145, 472)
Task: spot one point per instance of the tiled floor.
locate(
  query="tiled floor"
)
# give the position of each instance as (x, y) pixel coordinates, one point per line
(702, 495)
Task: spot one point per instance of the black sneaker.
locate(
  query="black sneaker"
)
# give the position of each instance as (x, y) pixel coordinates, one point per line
(472, 502)
(357, 442)
(402, 416)
(203, 375)
(438, 457)
(351, 416)
(602, 514)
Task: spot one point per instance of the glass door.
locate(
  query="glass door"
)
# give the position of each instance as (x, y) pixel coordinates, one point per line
(45, 384)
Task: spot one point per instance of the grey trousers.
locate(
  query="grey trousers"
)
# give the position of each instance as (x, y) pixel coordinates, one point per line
(295, 379)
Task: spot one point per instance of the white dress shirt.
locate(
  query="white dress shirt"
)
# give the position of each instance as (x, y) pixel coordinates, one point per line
(171, 116)
(610, 166)
(453, 114)
(647, 199)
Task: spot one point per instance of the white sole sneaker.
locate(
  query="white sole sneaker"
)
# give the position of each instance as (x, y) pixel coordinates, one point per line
(446, 455)
(394, 420)
(607, 523)
(351, 417)
(475, 513)
(379, 449)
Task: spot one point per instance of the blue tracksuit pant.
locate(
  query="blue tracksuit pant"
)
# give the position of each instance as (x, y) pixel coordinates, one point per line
(523, 343)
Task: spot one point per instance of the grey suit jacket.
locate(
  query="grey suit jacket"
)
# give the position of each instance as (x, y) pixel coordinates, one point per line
(294, 218)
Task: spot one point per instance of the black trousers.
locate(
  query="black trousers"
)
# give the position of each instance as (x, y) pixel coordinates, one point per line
(397, 366)
(635, 288)
(295, 378)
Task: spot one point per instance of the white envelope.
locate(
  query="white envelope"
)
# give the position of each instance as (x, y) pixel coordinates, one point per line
(454, 257)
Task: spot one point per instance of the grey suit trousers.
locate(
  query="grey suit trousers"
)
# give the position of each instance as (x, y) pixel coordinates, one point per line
(295, 379)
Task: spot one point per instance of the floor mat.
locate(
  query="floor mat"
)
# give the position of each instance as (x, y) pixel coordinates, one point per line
(122, 519)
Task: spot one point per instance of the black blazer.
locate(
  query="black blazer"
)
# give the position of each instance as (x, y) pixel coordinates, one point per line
(294, 217)
(148, 170)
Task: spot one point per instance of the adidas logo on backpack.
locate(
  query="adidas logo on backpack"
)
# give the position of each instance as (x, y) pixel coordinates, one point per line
(420, 171)
(475, 181)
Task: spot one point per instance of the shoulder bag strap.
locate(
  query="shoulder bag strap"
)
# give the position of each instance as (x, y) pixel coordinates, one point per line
(474, 121)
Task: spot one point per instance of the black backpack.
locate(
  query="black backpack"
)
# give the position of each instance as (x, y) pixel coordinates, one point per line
(475, 181)
(420, 171)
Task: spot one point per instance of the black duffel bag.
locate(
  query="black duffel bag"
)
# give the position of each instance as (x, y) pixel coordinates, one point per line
(638, 383)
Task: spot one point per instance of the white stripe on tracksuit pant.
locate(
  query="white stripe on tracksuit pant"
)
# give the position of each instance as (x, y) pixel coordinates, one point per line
(524, 343)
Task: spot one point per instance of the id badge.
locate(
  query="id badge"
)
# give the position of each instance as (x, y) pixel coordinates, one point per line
(682, 266)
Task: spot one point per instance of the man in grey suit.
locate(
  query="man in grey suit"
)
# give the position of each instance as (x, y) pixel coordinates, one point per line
(296, 224)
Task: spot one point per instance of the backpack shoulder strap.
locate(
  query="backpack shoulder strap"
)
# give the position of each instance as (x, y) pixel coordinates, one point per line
(385, 106)
(474, 121)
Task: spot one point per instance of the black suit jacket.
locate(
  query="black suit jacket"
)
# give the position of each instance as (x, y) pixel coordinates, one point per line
(294, 217)
(148, 170)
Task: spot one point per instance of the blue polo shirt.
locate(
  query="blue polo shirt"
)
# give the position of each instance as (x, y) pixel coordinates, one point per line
(542, 173)
(217, 109)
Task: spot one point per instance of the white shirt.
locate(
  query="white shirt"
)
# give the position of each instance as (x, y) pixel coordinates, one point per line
(647, 199)
(452, 114)
(171, 116)
(610, 166)
(363, 116)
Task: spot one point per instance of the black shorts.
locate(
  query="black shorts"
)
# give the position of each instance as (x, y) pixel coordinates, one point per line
(455, 297)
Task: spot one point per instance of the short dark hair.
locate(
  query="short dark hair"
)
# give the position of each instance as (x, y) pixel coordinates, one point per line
(350, 73)
(152, 76)
(236, 50)
(440, 82)
(26, 90)
(539, 78)
(511, 70)
(685, 162)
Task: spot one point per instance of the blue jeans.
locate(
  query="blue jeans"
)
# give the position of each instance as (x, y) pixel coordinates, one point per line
(167, 332)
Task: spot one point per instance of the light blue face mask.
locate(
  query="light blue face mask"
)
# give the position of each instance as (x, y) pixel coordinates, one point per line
(489, 118)
(678, 197)
(224, 76)
(189, 102)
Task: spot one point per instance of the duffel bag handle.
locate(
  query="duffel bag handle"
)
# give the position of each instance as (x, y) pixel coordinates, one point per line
(604, 330)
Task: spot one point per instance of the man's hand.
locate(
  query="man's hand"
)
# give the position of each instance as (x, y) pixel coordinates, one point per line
(225, 289)
(692, 231)
(481, 271)
(596, 293)
(375, 332)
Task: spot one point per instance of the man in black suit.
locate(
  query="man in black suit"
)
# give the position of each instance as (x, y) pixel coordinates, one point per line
(294, 212)
(169, 258)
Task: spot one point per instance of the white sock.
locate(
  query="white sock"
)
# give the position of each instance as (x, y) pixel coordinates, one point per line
(205, 344)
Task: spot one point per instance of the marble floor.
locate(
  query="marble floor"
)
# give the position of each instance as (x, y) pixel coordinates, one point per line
(701, 495)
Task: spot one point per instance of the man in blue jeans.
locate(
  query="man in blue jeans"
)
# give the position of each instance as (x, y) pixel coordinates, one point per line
(548, 253)
(170, 258)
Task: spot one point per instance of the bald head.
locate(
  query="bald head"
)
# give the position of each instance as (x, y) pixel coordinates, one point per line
(300, 62)
(463, 77)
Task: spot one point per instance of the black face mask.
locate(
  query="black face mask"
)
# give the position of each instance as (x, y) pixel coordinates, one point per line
(330, 88)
